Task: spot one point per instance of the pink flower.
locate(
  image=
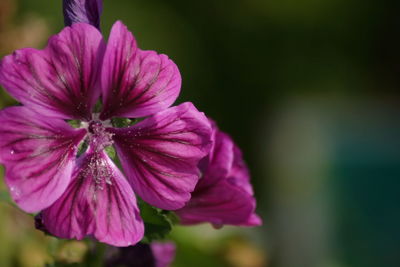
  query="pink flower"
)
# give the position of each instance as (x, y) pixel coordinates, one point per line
(224, 194)
(88, 195)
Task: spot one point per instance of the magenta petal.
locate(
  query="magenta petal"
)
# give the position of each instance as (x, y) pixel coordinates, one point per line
(38, 154)
(253, 220)
(224, 194)
(87, 11)
(60, 81)
(99, 202)
(220, 204)
(161, 153)
(163, 252)
(219, 162)
(136, 83)
(239, 174)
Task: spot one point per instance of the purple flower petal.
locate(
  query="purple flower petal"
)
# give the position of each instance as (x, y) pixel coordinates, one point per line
(220, 204)
(60, 81)
(87, 11)
(38, 154)
(160, 154)
(218, 163)
(253, 220)
(136, 83)
(99, 201)
(164, 253)
(224, 194)
(239, 174)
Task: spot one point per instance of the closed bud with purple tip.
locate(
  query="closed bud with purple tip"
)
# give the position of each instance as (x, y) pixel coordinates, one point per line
(87, 11)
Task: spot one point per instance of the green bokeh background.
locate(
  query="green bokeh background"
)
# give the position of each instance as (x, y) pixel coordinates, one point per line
(309, 89)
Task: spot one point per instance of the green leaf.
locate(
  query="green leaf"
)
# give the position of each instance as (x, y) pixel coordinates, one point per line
(171, 217)
(156, 222)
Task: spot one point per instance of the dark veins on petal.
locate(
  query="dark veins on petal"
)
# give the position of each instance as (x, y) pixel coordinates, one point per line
(59, 81)
(94, 168)
(98, 202)
(52, 141)
(44, 95)
(160, 154)
(137, 86)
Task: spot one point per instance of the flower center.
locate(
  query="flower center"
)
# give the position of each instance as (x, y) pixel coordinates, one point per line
(95, 165)
(99, 137)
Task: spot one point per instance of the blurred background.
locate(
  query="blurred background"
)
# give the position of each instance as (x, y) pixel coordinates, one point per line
(309, 89)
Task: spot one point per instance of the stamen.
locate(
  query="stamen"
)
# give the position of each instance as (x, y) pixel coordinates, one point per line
(97, 168)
